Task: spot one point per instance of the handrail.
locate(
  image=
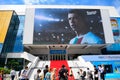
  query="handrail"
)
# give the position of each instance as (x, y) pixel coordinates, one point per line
(34, 63)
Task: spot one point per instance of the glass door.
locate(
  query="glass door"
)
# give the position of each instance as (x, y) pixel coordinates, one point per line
(57, 56)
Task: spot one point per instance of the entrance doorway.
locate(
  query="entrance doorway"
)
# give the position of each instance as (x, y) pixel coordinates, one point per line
(57, 56)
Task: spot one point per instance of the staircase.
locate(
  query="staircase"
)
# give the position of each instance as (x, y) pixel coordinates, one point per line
(36, 64)
(24, 55)
(58, 64)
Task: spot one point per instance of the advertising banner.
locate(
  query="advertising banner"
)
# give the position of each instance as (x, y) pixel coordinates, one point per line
(68, 26)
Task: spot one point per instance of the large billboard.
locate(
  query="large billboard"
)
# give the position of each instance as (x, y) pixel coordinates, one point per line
(68, 26)
(64, 25)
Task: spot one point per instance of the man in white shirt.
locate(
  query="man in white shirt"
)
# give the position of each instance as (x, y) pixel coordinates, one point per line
(37, 76)
(12, 74)
(23, 75)
(78, 25)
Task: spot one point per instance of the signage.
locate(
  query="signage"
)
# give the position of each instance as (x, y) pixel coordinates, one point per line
(57, 51)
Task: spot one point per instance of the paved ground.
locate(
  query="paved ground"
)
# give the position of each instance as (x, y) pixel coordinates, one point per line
(7, 77)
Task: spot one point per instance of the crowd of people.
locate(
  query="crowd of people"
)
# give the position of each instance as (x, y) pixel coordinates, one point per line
(22, 75)
(99, 72)
(51, 74)
(65, 74)
(62, 74)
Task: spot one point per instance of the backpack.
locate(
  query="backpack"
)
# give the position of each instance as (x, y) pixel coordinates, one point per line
(19, 73)
(48, 75)
(84, 74)
(61, 72)
(45, 71)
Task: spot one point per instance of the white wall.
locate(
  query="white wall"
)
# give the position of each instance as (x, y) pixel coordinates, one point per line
(29, 26)
(107, 26)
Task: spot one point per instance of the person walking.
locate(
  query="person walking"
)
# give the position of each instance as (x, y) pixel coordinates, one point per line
(12, 74)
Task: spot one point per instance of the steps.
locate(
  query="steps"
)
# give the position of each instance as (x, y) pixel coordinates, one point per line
(58, 64)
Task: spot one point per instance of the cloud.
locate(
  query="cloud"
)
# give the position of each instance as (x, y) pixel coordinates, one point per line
(31, 1)
(118, 9)
(38, 1)
(116, 3)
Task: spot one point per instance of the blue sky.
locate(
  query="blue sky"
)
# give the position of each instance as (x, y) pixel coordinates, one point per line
(61, 2)
(115, 3)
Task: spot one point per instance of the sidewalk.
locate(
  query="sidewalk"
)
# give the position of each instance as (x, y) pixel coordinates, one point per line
(7, 77)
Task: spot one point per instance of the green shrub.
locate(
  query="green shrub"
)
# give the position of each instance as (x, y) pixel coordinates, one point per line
(5, 70)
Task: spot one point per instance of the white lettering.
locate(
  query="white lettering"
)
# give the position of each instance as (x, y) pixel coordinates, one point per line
(91, 12)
